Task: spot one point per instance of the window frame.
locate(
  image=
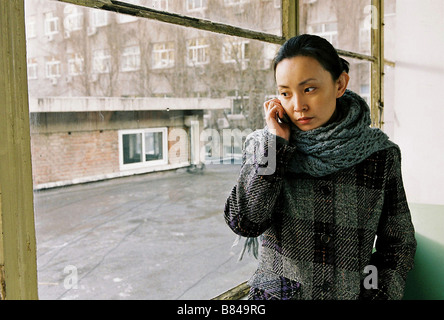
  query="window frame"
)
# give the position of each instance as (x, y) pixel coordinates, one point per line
(23, 285)
(198, 49)
(241, 56)
(157, 52)
(331, 35)
(202, 6)
(33, 68)
(130, 59)
(75, 64)
(101, 57)
(50, 23)
(230, 3)
(72, 18)
(99, 18)
(49, 65)
(31, 27)
(160, 5)
(144, 163)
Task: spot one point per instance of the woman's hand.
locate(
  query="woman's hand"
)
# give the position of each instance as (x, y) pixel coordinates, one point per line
(273, 108)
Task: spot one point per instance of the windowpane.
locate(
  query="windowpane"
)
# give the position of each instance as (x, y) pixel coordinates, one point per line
(345, 23)
(257, 15)
(153, 146)
(389, 71)
(132, 148)
(389, 29)
(145, 102)
(165, 109)
(360, 78)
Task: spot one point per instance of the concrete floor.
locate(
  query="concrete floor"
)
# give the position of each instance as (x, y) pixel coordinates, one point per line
(154, 236)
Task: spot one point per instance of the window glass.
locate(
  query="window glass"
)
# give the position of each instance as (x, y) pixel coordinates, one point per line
(51, 24)
(389, 29)
(163, 55)
(153, 146)
(197, 51)
(257, 15)
(389, 70)
(137, 130)
(32, 68)
(130, 59)
(132, 148)
(345, 23)
(360, 78)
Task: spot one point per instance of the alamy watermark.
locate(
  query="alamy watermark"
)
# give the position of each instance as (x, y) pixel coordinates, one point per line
(72, 278)
(371, 18)
(224, 147)
(371, 281)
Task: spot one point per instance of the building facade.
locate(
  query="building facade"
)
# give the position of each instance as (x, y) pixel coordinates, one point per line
(106, 90)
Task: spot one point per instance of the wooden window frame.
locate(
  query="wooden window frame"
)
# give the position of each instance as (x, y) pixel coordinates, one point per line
(18, 267)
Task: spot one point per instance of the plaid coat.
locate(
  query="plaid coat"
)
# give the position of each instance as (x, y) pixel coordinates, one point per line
(318, 234)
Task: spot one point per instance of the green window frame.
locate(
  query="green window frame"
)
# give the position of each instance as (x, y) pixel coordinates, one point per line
(18, 268)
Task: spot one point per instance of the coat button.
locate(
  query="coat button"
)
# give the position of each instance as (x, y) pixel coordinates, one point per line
(326, 286)
(326, 190)
(325, 238)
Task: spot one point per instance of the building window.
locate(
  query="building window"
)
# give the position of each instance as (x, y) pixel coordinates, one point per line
(75, 64)
(235, 2)
(197, 51)
(160, 5)
(52, 68)
(32, 68)
(235, 51)
(31, 27)
(73, 18)
(364, 92)
(131, 58)
(364, 37)
(125, 18)
(328, 31)
(141, 148)
(196, 5)
(101, 61)
(163, 55)
(51, 25)
(99, 18)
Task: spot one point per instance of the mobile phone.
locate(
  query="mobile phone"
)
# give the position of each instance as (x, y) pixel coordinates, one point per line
(284, 119)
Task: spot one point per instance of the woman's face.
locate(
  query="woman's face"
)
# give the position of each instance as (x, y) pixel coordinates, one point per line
(307, 91)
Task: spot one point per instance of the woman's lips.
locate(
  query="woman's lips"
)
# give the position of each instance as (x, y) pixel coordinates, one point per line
(304, 120)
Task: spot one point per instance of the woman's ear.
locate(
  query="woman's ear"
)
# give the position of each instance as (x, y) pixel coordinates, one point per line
(342, 84)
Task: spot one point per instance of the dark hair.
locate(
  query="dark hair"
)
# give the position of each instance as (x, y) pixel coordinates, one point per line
(315, 47)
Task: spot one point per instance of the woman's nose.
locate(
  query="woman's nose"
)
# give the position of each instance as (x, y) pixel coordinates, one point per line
(298, 104)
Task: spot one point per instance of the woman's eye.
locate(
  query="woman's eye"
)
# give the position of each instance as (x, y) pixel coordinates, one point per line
(310, 89)
(284, 94)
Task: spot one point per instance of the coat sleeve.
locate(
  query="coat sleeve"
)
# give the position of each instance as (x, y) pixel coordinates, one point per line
(395, 243)
(250, 205)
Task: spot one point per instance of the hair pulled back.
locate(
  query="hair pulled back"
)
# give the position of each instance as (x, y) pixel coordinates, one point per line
(316, 47)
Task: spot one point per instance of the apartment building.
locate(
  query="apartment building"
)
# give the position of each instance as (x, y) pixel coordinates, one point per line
(106, 89)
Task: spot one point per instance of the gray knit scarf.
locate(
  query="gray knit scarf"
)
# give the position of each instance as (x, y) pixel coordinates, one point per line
(340, 144)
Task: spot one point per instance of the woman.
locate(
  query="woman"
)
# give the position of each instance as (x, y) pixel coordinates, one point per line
(336, 187)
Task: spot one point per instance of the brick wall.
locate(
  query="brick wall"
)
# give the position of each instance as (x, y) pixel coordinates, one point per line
(64, 156)
(72, 146)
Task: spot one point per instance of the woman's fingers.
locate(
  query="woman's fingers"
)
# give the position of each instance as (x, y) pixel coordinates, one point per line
(273, 109)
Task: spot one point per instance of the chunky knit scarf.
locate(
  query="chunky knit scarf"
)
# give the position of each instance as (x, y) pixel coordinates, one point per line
(340, 144)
